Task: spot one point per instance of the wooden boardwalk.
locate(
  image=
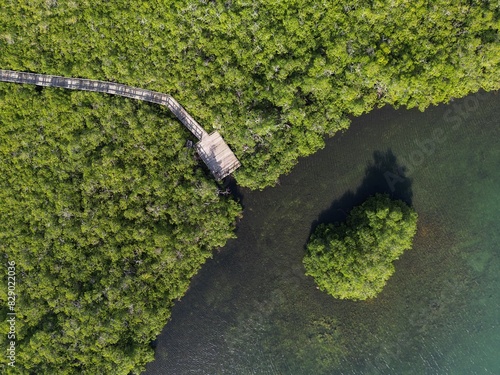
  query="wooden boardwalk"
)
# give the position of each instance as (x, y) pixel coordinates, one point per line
(211, 147)
(217, 155)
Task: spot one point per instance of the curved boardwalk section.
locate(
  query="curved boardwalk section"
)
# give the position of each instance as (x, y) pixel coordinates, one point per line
(211, 147)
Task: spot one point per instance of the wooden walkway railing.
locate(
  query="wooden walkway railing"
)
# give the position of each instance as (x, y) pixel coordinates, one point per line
(221, 164)
(108, 88)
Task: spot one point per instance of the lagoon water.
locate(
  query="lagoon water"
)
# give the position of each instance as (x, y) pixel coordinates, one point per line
(251, 309)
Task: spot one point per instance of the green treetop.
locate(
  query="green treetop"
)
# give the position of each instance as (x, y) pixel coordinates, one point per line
(353, 260)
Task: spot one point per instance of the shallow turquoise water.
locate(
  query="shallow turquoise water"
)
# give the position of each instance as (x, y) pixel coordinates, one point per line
(251, 310)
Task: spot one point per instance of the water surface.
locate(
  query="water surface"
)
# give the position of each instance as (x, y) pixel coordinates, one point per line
(251, 310)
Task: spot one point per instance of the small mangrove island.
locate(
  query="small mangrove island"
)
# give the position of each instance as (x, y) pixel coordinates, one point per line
(354, 260)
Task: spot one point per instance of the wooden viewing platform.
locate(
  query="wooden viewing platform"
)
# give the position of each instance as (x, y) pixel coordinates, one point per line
(217, 155)
(212, 148)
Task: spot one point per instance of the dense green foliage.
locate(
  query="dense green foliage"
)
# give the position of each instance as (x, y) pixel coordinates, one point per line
(274, 76)
(353, 260)
(107, 217)
(104, 211)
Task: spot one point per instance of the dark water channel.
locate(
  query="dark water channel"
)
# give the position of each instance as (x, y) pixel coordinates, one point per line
(251, 310)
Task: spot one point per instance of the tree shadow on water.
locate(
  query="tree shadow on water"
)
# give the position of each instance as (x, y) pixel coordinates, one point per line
(383, 175)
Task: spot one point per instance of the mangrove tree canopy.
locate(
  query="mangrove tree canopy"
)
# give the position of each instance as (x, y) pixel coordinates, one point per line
(274, 76)
(354, 260)
(107, 217)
